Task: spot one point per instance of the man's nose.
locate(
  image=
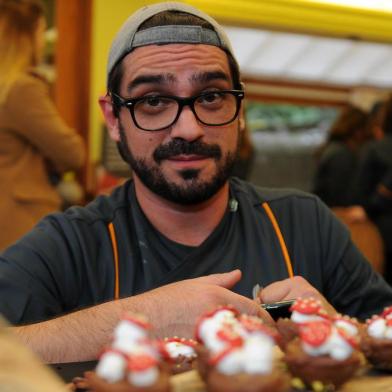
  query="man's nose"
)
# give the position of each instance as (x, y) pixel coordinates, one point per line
(187, 126)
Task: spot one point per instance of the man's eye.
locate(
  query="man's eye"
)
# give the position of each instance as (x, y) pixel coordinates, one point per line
(212, 97)
(153, 101)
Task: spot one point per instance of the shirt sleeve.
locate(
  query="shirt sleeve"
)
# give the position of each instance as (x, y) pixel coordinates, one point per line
(352, 286)
(38, 278)
(35, 118)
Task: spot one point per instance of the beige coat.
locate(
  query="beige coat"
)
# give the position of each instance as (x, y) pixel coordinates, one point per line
(32, 134)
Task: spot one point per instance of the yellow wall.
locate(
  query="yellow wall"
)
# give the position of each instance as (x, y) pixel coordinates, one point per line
(314, 16)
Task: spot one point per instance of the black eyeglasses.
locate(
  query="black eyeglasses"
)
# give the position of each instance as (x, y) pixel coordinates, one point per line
(157, 112)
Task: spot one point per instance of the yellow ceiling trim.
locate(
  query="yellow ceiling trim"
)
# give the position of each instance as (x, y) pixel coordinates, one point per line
(308, 16)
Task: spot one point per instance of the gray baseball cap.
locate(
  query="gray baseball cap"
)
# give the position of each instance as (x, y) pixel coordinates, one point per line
(129, 37)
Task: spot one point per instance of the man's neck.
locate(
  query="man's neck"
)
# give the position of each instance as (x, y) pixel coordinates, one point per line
(188, 225)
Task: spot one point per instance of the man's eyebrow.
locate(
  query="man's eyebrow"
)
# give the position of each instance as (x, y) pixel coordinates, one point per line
(150, 79)
(205, 77)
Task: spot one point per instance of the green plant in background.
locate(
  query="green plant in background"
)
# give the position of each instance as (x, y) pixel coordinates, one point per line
(269, 117)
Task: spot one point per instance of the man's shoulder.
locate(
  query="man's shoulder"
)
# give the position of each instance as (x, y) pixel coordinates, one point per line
(103, 208)
(258, 195)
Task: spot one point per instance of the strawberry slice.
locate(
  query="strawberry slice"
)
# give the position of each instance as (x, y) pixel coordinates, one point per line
(387, 312)
(227, 334)
(315, 333)
(306, 306)
(251, 323)
(140, 362)
(186, 342)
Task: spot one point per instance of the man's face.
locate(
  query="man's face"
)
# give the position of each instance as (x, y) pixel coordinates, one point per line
(188, 162)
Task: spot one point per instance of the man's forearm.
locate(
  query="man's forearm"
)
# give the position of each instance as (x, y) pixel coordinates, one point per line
(77, 336)
(172, 309)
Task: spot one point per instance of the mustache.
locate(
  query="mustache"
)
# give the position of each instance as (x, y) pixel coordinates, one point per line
(180, 146)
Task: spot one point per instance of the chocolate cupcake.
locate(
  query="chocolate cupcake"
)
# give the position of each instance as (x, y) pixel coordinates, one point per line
(237, 354)
(133, 361)
(376, 340)
(303, 310)
(323, 352)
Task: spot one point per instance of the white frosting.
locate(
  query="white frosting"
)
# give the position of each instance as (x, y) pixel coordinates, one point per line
(258, 354)
(335, 346)
(231, 363)
(378, 329)
(124, 345)
(254, 357)
(111, 367)
(144, 378)
(175, 349)
(347, 326)
(210, 326)
(388, 333)
(298, 317)
(128, 330)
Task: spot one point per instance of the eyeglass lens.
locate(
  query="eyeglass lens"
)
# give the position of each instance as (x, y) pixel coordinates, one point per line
(159, 112)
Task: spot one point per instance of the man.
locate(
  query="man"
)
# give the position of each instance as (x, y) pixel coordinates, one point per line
(181, 237)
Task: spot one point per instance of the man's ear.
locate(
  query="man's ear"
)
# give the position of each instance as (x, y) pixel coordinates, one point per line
(112, 122)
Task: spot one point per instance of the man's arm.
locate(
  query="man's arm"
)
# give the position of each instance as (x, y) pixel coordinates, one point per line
(336, 271)
(172, 310)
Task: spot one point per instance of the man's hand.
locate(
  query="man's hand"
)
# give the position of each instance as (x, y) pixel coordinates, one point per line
(174, 309)
(293, 288)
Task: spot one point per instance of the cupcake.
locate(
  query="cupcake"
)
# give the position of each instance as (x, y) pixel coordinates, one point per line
(239, 355)
(211, 333)
(376, 342)
(325, 352)
(132, 363)
(303, 310)
(181, 353)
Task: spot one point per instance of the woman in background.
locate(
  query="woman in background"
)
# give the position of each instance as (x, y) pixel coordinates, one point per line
(334, 181)
(374, 181)
(34, 140)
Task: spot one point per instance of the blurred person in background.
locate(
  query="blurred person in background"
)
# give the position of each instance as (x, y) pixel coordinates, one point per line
(338, 158)
(35, 143)
(374, 180)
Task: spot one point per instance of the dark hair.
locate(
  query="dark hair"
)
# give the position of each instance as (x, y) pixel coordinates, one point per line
(350, 121)
(387, 121)
(166, 18)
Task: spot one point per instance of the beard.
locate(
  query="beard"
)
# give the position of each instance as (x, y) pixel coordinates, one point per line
(193, 190)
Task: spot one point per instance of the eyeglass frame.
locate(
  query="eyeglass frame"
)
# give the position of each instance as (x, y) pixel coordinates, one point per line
(119, 101)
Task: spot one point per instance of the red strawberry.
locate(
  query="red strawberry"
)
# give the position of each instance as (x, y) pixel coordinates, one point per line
(140, 362)
(387, 312)
(227, 334)
(315, 333)
(306, 306)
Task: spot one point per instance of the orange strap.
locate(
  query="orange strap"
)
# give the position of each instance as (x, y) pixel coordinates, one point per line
(115, 254)
(275, 225)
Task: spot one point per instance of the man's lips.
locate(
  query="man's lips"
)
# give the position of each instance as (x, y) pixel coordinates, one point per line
(187, 158)
(187, 161)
